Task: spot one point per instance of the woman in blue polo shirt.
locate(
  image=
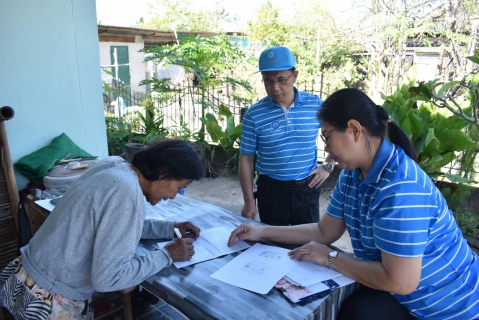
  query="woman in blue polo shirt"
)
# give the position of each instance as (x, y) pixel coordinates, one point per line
(409, 254)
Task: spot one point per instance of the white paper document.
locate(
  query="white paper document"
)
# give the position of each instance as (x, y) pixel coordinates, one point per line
(212, 243)
(343, 280)
(308, 273)
(257, 269)
(46, 204)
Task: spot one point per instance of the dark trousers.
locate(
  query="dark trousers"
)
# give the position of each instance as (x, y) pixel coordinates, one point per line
(371, 304)
(283, 203)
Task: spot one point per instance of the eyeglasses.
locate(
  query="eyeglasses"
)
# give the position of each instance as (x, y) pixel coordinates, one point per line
(281, 81)
(325, 140)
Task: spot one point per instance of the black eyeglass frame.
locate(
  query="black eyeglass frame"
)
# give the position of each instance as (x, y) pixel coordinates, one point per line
(325, 139)
(281, 81)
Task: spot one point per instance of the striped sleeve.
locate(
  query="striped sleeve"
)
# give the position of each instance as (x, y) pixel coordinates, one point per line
(248, 142)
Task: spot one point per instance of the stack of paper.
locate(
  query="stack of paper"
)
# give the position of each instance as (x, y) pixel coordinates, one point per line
(263, 267)
(257, 269)
(307, 273)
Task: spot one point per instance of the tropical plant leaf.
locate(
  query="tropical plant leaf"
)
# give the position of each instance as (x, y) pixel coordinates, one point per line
(457, 179)
(446, 87)
(237, 131)
(420, 143)
(214, 131)
(230, 126)
(416, 123)
(432, 146)
(224, 111)
(211, 117)
(473, 59)
(445, 124)
(454, 140)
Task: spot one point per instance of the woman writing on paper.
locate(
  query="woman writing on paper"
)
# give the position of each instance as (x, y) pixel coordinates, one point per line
(409, 254)
(88, 242)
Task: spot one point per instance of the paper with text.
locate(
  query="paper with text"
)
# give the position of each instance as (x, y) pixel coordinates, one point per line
(308, 273)
(257, 269)
(212, 243)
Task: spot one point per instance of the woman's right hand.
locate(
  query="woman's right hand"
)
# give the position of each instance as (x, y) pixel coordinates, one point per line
(181, 249)
(245, 232)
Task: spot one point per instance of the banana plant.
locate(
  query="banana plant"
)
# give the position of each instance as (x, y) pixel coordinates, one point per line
(227, 138)
(436, 133)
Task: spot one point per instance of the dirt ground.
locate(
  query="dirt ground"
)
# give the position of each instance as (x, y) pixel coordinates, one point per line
(225, 192)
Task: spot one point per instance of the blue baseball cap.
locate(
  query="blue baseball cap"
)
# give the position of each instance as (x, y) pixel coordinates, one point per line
(276, 59)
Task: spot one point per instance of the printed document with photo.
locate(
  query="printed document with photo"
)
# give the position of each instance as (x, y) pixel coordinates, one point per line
(211, 244)
(257, 269)
(308, 273)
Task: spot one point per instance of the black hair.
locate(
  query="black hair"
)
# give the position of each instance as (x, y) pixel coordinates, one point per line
(172, 158)
(350, 103)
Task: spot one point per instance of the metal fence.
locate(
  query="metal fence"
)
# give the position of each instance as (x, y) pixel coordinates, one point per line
(183, 108)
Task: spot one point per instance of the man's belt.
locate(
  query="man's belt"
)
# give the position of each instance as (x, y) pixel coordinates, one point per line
(292, 184)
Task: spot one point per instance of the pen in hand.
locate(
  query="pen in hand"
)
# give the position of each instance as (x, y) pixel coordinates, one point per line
(177, 232)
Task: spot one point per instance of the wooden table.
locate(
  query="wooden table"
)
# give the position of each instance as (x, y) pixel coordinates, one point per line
(197, 295)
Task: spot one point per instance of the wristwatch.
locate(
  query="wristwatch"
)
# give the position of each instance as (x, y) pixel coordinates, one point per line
(332, 255)
(328, 166)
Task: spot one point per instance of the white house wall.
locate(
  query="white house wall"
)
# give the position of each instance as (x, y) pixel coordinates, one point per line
(136, 58)
(50, 75)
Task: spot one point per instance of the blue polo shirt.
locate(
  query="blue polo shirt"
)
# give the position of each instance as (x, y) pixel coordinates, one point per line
(398, 209)
(284, 139)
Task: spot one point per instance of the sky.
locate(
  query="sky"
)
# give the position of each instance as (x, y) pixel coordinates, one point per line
(128, 12)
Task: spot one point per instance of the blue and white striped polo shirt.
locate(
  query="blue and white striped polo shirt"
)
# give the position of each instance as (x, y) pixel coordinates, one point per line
(398, 209)
(285, 139)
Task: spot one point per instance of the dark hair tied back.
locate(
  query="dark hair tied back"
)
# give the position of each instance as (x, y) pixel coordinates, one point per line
(383, 115)
(350, 103)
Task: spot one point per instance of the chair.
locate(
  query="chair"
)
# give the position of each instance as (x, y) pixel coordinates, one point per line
(126, 305)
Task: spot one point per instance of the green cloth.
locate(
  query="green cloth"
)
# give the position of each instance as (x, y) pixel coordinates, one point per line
(36, 165)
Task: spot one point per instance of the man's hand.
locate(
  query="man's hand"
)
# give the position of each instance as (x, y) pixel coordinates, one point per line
(319, 176)
(188, 229)
(249, 211)
(180, 249)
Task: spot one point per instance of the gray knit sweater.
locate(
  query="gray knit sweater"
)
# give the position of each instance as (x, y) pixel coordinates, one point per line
(88, 242)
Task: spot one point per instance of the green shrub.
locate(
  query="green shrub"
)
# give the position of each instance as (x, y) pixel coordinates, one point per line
(468, 222)
(118, 132)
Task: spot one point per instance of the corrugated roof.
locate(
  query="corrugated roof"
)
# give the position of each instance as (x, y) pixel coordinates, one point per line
(150, 37)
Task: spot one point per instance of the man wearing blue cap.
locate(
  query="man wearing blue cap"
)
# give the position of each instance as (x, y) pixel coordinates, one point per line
(282, 129)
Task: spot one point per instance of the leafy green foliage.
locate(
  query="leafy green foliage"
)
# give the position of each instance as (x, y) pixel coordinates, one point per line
(212, 61)
(455, 194)
(151, 125)
(227, 138)
(118, 132)
(324, 50)
(436, 134)
(468, 222)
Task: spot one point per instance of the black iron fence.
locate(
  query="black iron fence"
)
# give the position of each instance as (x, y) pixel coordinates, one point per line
(182, 108)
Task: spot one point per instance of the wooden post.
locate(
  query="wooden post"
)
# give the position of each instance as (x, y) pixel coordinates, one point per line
(7, 113)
